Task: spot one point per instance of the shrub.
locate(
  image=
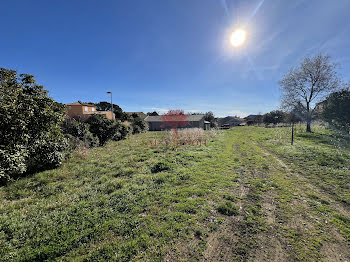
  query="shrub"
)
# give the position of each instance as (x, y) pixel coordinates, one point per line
(13, 161)
(102, 128)
(30, 134)
(125, 130)
(106, 129)
(78, 134)
(46, 152)
(138, 125)
(122, 131)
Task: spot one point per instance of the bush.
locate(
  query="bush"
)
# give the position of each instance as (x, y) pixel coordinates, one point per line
(12, 162)
(138, 125)
(78, 134)
(274, 117)
(46, 152)
(125, 130)
(122, 131)
(30, 134)
(105, 129)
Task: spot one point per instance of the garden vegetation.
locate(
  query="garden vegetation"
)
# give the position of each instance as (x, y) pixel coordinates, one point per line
(35, 133)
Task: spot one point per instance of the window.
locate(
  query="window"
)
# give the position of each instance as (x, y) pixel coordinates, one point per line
(86, 108)
(69, 107)
(93, 109)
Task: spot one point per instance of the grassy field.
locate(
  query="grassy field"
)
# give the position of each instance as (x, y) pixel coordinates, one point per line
(247, 195)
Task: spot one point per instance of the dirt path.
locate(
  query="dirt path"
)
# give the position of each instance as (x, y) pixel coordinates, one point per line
(336, 248)
(308, 186)
(241, 238)
(277, 220)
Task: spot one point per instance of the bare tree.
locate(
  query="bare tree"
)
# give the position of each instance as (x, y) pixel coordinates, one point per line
(308, 84)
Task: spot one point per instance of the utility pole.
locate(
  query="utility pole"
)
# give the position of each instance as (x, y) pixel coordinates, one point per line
(111, 102)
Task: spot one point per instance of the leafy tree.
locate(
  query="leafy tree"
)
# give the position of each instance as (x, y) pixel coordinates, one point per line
(308, 83)
(106, 106)
(30, 134)
(274, 117)
(209, 116)
(154, 113)
(336, 109)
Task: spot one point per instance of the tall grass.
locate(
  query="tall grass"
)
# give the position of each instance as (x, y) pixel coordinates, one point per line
(189, 136)
(335, 137)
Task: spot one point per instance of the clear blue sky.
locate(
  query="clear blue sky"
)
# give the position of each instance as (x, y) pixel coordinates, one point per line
(170, 54)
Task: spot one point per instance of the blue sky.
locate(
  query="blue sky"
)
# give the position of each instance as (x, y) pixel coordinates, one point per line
(170, 54)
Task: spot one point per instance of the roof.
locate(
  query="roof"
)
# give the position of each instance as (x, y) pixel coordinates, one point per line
(251, 117)
(79, 104)
(192, 118)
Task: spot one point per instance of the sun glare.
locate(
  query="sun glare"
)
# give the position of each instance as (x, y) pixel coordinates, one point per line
(238, 37)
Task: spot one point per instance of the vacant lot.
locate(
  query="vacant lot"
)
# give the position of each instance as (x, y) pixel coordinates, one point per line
(245, 195)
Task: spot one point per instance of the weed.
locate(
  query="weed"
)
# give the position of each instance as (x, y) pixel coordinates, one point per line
(228, 209)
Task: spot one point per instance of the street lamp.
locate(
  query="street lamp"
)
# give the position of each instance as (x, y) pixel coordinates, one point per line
(111, 101)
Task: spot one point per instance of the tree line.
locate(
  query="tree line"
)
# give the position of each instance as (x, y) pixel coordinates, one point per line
(35, 133)
(334, 110)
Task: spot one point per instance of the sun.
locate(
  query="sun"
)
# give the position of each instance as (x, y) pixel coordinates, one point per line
(238, 37)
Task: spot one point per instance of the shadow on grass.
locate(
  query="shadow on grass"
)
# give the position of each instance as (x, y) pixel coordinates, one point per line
(335, 139)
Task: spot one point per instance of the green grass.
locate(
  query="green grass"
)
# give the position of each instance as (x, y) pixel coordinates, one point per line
(130, 201)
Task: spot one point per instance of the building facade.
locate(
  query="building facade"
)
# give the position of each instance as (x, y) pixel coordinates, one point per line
(82, 111)
(158, 123)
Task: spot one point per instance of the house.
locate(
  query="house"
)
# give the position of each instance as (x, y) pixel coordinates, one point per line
(157, 123)
(82, 111)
